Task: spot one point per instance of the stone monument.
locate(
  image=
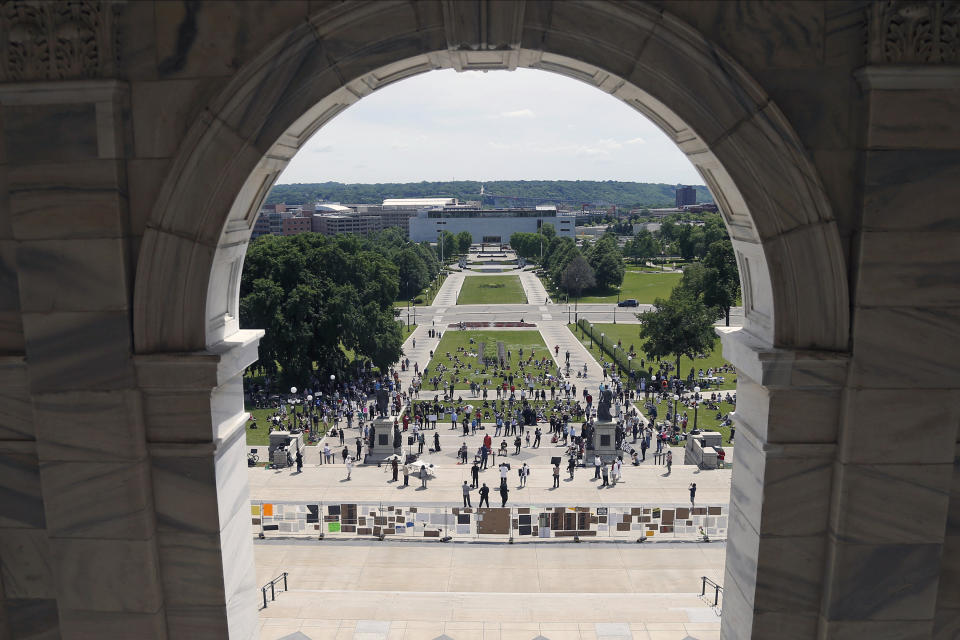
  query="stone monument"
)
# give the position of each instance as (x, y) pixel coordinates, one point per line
(605, 429)
(385, 441)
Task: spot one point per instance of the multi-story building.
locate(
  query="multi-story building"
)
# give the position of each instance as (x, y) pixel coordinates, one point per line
(488, 225)
(333, 223)
(686, 195)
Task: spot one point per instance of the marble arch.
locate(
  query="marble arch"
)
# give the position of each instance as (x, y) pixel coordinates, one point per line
(786, 239)
(788, 248)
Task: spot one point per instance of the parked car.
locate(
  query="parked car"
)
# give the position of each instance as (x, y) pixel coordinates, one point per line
(629, 302)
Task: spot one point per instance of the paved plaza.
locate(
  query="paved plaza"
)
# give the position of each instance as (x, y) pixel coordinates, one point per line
(421, 591)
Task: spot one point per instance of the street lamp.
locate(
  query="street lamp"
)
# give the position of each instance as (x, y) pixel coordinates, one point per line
(630, 366)
(696, 405)
(603, 342)
(676, 397)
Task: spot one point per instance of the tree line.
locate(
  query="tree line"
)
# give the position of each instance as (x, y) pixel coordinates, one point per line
(577, 192)
(317, 295)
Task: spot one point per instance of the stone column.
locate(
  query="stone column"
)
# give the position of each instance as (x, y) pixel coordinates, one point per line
(196, 426)
(787, 414)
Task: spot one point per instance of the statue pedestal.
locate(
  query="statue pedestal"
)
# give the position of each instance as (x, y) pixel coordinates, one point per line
(604, 442)
(382, 447)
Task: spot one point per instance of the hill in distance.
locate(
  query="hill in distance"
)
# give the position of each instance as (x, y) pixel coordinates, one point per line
(499, 193)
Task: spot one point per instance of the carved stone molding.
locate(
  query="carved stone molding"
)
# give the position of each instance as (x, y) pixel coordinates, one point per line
(56, 40)
(910, 32)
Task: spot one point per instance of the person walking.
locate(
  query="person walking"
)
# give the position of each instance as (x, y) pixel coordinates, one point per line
(299, 459)
(359, 448)
(327, 454)
(693, 494)
(349, 466)
(524, 472)
(536, 439)
(504, 468)
(466, 494)
(423, 476)
(596, 467)
(517, 442)
(485, 495)
(504, 492)
(556, 476)
(345, 453)
(571, 466)
(605, 473)
(475, 475)
(669, 461)
(340, 433)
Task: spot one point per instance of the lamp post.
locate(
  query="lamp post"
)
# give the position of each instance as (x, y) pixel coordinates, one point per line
(603, 341)
(332, 383)
(630, 366)
(310, 405)
(696, 405)
(676, 397)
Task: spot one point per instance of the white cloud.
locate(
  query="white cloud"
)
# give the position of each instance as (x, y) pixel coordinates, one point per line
(520, 113)
(521, 125)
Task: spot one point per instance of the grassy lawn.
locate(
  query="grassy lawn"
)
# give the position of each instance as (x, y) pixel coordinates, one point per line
(492, 290)
(461, 367)
(260, 437)
(489, 414)
(645, 287)
(628, 334)
(706, 418)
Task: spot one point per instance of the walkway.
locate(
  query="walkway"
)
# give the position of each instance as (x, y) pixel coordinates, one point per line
(533, 287)
(416, 591)
(447, 296)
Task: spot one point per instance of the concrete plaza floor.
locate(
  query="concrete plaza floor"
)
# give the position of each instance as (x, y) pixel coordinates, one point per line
(647, 484)
(421, 591)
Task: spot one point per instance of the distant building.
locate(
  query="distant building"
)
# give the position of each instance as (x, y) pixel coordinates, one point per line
(488, 225)
(686, 195)
(280, 220)
(331, 224)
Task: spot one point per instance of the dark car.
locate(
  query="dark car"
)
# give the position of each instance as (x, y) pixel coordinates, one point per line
(629, 302)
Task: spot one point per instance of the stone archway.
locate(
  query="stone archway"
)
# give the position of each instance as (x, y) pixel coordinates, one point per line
(788, 248)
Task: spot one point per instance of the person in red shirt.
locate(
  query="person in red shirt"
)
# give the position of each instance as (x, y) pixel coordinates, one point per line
(406, 421)
(487, 441)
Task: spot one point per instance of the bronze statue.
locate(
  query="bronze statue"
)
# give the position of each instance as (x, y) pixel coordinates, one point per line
(603, 407)
(383, 398)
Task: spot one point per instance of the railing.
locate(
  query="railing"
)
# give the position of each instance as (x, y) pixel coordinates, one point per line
(273, 595)
(716, 589)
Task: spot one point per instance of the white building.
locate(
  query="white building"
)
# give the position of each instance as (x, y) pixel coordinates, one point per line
(488, 225)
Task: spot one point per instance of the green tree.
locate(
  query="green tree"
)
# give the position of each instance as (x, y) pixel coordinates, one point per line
(642, 247)
(464, 240)
(722, 278)
(577, 276)
(678, 326)
(607, 262)
(413, 274)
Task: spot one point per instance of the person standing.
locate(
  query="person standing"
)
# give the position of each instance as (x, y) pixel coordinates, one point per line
(517, 442)
(436, 442)
(485, 495)
(421, 440)
(571, 465)
(423, 476)
(669, 461)
(536, 438)
(503, 474)
(556, 476)
(604, 472)
(524, 472)
(395, 468)
(475, 475)
(643, 449)
(406, 476)
(360, 449)
(349, 466)
(596, 467)
(345, 453)
(693, 494)
(504, 492)
(299, 459)
(466, 494)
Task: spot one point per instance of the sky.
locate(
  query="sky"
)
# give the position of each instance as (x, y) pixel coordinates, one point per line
(520, 125)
